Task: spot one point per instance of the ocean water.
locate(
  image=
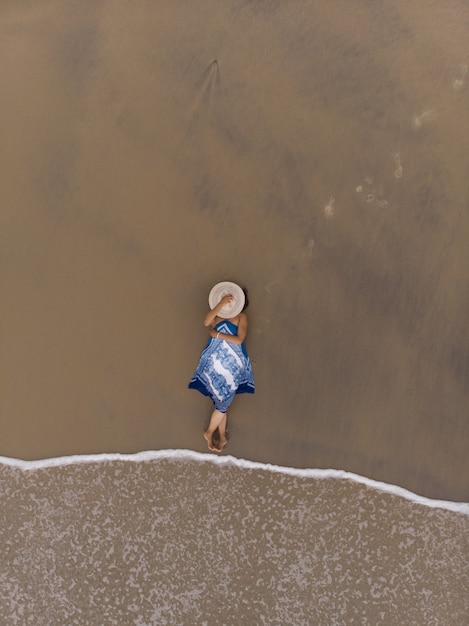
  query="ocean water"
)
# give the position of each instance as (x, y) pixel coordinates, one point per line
(179, 537)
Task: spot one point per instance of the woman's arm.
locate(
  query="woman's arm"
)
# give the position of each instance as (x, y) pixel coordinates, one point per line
(237, 339)
(211, 315)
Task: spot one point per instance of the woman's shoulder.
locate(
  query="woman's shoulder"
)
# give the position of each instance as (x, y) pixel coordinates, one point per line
(241, 318)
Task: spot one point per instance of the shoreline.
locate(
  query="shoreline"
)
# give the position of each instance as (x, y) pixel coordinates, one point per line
(191, 455)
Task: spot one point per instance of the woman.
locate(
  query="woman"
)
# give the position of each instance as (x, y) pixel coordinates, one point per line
(224, 368)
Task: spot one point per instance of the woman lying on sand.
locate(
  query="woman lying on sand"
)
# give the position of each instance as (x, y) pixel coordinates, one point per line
(224, 368)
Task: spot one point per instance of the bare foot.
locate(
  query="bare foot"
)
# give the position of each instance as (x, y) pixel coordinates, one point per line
(208, 439)
(222, 443)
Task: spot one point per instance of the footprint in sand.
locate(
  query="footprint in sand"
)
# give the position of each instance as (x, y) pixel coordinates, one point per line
(368, 182)
(329, 208)
(398, 170)
(419, 120)
(382, 203)
(360, 188)
(375, 193)
(458, 83)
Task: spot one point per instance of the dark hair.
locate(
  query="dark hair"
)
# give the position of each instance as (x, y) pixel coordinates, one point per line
(246, 298)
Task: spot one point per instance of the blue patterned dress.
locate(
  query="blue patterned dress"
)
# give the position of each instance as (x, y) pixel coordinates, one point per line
(224, 369)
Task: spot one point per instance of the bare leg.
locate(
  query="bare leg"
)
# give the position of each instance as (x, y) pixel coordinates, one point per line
(215, 421)
(222, 431)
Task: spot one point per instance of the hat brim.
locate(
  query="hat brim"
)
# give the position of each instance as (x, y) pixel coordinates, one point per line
(232, 309)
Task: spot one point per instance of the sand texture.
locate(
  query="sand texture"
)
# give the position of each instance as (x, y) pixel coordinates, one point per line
(313, 151)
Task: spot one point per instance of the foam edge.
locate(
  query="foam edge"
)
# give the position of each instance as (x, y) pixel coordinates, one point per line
(192, 455)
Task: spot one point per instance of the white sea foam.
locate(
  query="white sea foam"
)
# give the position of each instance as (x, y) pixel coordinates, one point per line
(158, 537)
(190, 455)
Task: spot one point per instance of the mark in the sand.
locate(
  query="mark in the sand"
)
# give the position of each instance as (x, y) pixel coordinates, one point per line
(329, 208)
(419, 120)
(398, 170)
(269, 286)
(458, 83)
(309, 249)
(263, 322)
(208, 82)
(375, 193)
(205, 88)
(213, 75)
(382, 203)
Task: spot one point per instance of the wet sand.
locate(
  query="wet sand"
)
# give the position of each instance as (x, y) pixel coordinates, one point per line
(190, 539)
(315, 152)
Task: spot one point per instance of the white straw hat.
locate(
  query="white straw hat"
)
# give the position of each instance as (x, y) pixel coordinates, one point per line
(232, 309)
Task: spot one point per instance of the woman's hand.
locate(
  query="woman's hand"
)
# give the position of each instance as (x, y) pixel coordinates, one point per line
(225, 300)
(211, 315)
(236, 339)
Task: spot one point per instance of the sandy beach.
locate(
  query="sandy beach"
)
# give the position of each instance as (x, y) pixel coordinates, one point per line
(313, 151)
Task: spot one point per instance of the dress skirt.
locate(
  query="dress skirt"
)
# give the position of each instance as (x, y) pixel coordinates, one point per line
(224, 369)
